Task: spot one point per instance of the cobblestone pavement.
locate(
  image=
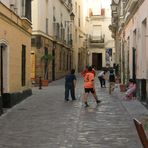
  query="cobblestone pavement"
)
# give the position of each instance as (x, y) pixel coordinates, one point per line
(45, 120)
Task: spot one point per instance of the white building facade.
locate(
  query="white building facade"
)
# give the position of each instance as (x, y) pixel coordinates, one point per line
(100, 44)
(132, 42)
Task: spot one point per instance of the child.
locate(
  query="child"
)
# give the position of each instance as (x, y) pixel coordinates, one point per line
(70, 83)
(89, 86)
(111, 80)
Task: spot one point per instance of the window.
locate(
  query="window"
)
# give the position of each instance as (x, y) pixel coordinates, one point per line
(23, 65)
(47, 25)
(79, 21)
(60, 59)
(46, 63)
(67, 62)
(23, 7)
(26, 9)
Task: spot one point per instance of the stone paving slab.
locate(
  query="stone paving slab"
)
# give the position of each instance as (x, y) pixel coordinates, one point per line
(45, 120)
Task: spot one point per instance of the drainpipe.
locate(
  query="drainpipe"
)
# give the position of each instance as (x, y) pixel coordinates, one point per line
(1, 110)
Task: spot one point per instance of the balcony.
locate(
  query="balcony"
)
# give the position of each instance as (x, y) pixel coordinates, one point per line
(130, 5)
(97, 41)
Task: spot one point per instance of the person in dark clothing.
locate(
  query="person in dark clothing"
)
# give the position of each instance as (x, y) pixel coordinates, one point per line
(111, 80)
(70, 82)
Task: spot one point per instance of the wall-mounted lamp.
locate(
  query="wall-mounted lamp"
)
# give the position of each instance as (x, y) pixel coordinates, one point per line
(72, 16)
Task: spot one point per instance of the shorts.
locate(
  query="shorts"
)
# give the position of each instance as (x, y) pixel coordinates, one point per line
(87, 90)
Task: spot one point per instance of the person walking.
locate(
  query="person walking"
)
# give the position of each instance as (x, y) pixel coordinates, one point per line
(111, 80)
(89, 86)
(101, 77)
(70, 83)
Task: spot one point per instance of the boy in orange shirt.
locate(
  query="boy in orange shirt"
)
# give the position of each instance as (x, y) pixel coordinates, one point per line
(89, 86)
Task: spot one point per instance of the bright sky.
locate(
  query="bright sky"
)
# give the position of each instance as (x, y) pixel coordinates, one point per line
(98, 4)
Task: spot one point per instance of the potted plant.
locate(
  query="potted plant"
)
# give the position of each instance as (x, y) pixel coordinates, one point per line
(46, 59)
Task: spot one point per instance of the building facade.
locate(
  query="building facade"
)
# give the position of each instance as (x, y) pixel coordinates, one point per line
(80, 51)
(130, 29)
(55, 32)
(100, 44)
(15, 45)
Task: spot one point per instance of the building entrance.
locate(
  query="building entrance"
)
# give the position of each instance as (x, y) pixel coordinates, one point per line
(97, 60)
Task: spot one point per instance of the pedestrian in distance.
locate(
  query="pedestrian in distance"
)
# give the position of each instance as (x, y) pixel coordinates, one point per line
(101, 77)
(111, 80)
(89, 86)
(93, 70)
(70, 83)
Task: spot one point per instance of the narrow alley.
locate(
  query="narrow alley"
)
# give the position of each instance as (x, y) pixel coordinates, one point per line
(45, 120)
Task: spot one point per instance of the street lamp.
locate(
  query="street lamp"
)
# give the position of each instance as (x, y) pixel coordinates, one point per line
(69, 29)
(68, 25)
(72, 16)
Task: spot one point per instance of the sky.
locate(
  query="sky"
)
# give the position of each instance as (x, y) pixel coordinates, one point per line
(98, 4)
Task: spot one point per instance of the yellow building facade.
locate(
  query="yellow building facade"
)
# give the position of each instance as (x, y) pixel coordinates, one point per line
(15, 46)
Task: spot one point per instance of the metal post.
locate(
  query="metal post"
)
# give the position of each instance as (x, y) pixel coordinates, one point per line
(40, 83)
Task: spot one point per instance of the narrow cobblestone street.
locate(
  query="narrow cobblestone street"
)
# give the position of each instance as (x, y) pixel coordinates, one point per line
(45, 120)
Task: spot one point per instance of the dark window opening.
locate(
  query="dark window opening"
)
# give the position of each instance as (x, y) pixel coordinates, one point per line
(23, 65)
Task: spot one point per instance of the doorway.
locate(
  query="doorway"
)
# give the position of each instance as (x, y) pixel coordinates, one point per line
(3, 68)
(97, 60)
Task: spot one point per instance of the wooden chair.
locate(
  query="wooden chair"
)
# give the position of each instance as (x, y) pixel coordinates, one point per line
(141, 133)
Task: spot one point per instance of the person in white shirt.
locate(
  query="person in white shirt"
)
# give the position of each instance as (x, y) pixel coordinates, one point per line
(101, 78)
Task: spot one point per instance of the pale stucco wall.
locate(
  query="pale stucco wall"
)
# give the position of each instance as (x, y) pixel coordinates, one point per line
(141, 49)
(14, 33)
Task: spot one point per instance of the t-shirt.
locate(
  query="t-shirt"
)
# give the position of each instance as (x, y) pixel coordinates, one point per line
(111, 77)
(70, 78)
(84, 72)
(101, 74)
(88, 80)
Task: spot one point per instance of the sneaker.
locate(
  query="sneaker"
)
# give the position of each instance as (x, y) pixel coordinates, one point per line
(86, 105)
(98, 101)
(67, 100)
(74, 99)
